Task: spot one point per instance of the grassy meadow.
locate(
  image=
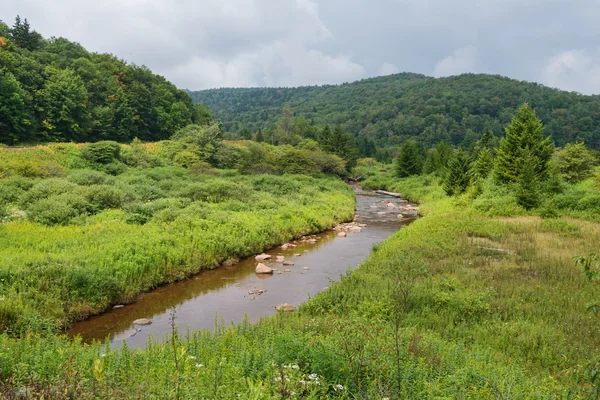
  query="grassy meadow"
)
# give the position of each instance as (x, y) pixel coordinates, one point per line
(462, 304)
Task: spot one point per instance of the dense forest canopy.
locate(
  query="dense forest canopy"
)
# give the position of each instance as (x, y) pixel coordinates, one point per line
(55, 90)
(391, 109)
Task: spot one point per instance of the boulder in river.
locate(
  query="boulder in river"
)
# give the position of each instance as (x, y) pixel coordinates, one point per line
(280, 259)
(285, 307)
(288, 262)
(287, 270)
(229, 263)
(263, 269)
(342, 234)
(262, 257)
(118, 306)
(142, 321)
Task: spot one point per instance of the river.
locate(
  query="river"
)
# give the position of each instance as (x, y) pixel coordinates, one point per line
(224, 294)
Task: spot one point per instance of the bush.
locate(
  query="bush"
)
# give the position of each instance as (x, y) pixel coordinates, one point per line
(575, 162)
(277, 185)
(58, 210)
(216, 191)
(102, 197)
(88, 177)
(114, 168)
(185, 159)
(11, 189)
(102, 152)
(45, 189)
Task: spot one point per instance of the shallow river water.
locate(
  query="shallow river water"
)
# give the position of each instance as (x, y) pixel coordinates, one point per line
(223, 293)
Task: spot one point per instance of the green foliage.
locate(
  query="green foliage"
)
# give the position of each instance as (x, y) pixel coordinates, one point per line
(391, 109)
(409, 161)
(483, 164)
(94, 239)
(458, 176)
(575, 162)
(437, 161)
(528, 185)
(55, 90)
(523, 140)
(103, 152)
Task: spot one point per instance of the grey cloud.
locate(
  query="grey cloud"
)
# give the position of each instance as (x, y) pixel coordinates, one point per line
(202, 44)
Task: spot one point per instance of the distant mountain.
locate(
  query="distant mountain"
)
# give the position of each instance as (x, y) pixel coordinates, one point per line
(389, 109)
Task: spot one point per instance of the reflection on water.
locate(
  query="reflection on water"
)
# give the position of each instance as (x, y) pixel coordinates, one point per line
(224, 292)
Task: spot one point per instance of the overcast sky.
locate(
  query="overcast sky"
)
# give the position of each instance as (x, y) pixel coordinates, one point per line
(199, 44)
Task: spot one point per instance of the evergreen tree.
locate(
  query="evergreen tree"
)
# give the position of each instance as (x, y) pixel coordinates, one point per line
(437, 160)
(528, 184)
(409, 161)
(340, 143)
(23, 36)
(484, 163)
(487, 140)
(259, 136)
(458, 174)
(523, 139)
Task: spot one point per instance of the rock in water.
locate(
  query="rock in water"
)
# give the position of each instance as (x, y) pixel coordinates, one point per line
(263, 269)
(288, 263)
(342, 234)
(285, 307)
(142, 321)
(262, 257)
(118, 306)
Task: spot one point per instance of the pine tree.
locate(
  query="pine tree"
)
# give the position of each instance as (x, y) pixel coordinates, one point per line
(458, 174)
(488, 140)
(527, 190)
(409, 161)
(484, 163)
(523, 138)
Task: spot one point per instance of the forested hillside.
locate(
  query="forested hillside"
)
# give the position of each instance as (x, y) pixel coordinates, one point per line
(55, 90)
(392, 108)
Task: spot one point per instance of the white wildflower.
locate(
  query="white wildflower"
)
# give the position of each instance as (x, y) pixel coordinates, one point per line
(199, 365)
(295, 366)
(338, 387)
(313, 377)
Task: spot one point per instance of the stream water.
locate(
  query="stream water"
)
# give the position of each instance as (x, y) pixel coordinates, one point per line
(224, 293)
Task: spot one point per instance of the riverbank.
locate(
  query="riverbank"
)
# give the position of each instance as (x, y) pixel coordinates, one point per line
(457, 305)
(306, 267)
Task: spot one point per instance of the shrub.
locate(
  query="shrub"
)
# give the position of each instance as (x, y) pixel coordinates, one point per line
(277, 185)
(88, 177)
(11, 189)
(216, 191)
(102, 197)
(114, 168)
(102, 152)
(45, 189)
(185, 159)
(58, 210)
(575, 162)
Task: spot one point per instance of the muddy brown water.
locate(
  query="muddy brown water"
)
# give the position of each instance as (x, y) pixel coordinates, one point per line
(223, 295)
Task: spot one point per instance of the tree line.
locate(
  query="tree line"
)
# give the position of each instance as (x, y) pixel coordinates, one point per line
(55, 90)
(524, 162)
(392, 109)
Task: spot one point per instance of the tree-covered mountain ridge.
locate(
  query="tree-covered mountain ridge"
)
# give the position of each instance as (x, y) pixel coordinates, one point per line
(54, 90)
(390, 109)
